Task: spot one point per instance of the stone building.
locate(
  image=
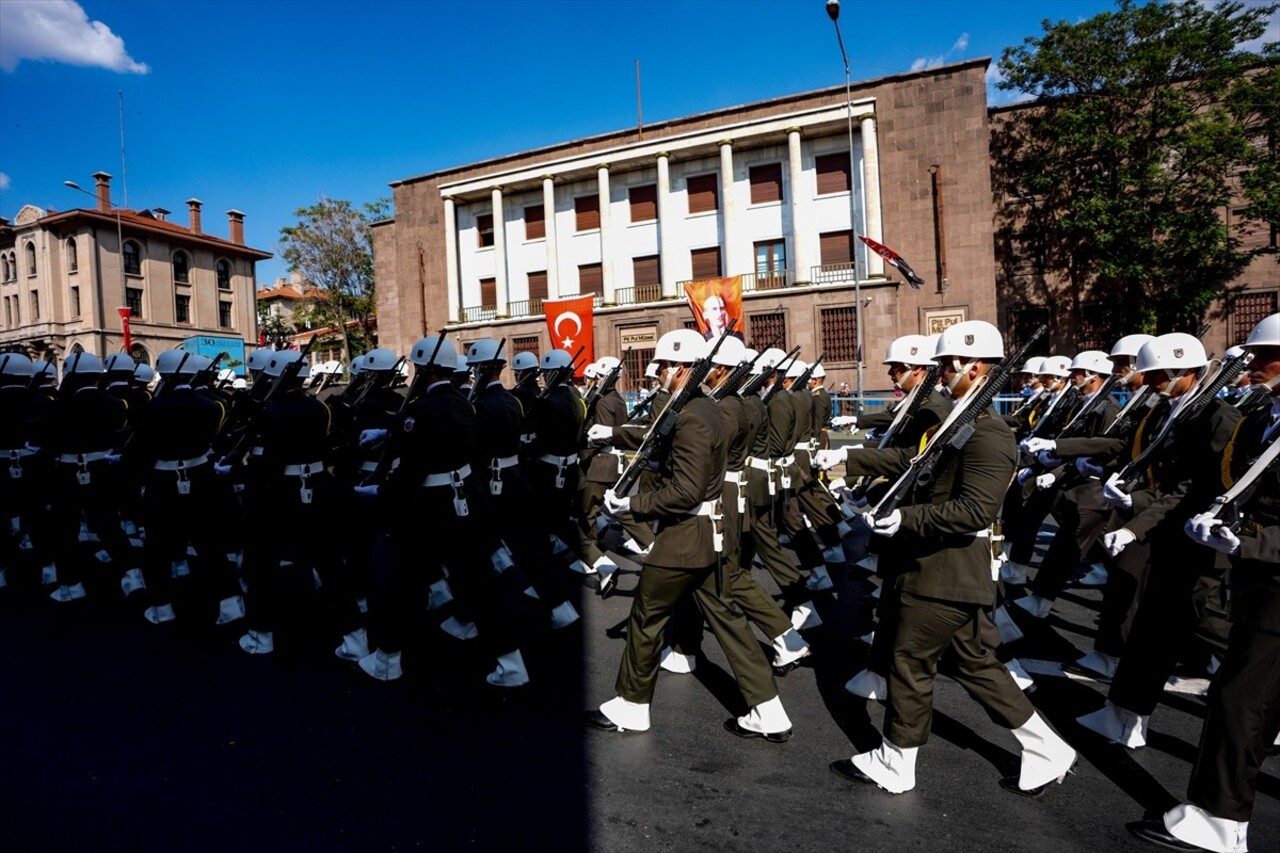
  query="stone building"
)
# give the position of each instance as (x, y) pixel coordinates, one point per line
(64, 276)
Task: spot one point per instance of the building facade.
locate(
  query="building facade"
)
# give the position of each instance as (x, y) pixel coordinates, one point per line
(64, 276)
(773, 191)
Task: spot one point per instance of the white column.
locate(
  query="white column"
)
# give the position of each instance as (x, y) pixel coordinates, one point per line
(606, 235)
(452, 288)
(666, 249)
(729, 252)
(549, 224)
(499, 251)
(871, 190)
(803, 259)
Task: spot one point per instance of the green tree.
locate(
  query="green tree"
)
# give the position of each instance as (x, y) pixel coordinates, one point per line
(1149, 121)
(331, 246)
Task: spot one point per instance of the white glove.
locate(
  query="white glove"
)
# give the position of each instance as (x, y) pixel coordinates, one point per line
(615, 505)
(1037, 445)
(1117, 541)
(367, 491)
(1047, 459)
(849, 421)
(371, 436)
(599, 434)
(1088, 469)
(1024, 475)
(828, 459)
(1114, 495)
(222, 467)
(1045, 481)
(1207, 529)
(886, 526)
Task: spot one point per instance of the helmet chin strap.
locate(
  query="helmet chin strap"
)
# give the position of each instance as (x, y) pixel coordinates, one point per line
(960, 372)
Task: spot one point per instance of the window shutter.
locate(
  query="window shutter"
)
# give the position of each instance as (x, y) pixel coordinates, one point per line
(644, 203)
(706, 263)
(535, 223)
(586, 209)
(646, 271)
(488, 293)
(833, 173)
(591, 279)
(704, 193)
(836, 247)
(766, 183)
(537, 289)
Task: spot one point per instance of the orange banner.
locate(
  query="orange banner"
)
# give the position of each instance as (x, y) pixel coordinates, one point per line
(714, 302)
(570, 325)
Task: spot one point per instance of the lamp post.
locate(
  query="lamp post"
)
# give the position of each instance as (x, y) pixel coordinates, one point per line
(833, 12)
(124, 311)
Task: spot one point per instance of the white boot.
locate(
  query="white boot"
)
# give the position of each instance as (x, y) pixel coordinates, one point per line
(362, 604)
(26, 544)
(191, 551)
(1118, 725)
(1045, 756)
(768, 720)
(627, 716)
(258, 642)
(1035, 605)
(157, 615)
(819, 580)
(1007, 628)
(230, 609)
(49, 574)
(501, 559)
(68, 593)
(439, 594)
(608, 571)
(455, 627)
(677, 663)
(871, 563)
(891, 767)
(877, 592)
(1014, 573)
(1096, 576)
(868, 685)
(102, 555)
(132, 582)
(384, 666)
(835, 555)
(1020, 676)
(1103, 664)
(557, 545)
(805, 617)
(1194, 825)
(581, 568)
(868, 638)
(532, 593)
(563, 615)
(789, 647)
(510, 671)
(633, 547)
(179, 569)
(355, 646)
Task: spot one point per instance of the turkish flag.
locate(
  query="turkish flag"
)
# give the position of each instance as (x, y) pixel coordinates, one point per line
(570, 326)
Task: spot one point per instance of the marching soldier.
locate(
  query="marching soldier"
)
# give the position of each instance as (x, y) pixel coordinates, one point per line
(24, 480)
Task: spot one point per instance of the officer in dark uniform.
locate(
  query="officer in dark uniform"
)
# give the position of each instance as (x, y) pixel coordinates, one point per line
(552, 469)
(24, 478)
(814, 501)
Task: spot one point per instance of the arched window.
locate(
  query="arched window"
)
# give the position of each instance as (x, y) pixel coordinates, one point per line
(132, 258)
(224, 275)
(4, 267)
(75, 348)
(181, 267)
(73, 255)
(31, 259)
(140, 354)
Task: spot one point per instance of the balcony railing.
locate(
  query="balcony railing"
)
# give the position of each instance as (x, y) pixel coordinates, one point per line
(477, 313)
(752, 282)
(639, 294)
(524, 308)
(832, 273)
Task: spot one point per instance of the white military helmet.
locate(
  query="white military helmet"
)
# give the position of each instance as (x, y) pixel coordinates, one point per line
(1174, 353)
(682, 346)
(1265, 334)
(796, 368)
(421, 354)
(44, 369)
(460, 364)
(376, 359)
(1056, 365)
(144, 373)
(194, 365)
(281, 358)
(226, 374)
(1233, 352)
(1033, 365)
(731, 353)
(771, 357)
(257, 359)
(86, 363)
(357, 366)
(524, 361)
(820, 372)
(118, 362)
(590, 371)
(651, 370)
(971, 339)
(1130, 344)
(239, 384)
(556, 359)
(606, 364)
(15, 364)
(911, 350)
(483, 350)
(169, 360)
(1092, 361)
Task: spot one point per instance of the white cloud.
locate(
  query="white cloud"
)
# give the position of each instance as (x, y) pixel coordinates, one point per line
(60, 31)
(4, 181)
(962, 43)
(960, 46)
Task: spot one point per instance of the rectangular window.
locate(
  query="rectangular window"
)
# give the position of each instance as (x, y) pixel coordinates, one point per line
(634, 362)
(224, 314)
(489, 293)
(182, 309)
(525, 343)
(647, 274)
(1250, 309)
(484, 230)
(535, 223)
(133, 297)
(704, 193)
(766, 183)
(75, 302)
(833, 173)
(706, 263)
(8, 312)
(35, 305)
(835, 248)
(771, 264)
(586, 213)
(644, 203)
(765, 328)
(537, 290)
(840, 333)
(591, 279)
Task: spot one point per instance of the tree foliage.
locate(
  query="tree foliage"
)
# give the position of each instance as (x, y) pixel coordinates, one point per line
(331, 246)
(1149, 123)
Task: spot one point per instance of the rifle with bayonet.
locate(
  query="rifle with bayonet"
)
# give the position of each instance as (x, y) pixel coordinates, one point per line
(235, 455)
(781, 370)
(603, 386)
(735, 377)
(916, 399)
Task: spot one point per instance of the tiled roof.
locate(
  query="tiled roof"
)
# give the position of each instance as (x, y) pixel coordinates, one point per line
(139, 219)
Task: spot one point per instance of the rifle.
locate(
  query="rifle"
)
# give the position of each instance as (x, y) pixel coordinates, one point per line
(602, 387)
(1029, 402)
(735, 377)
(1064, 404)
(235, 456)
(914, 402)
(562, 372)
(480, 377)
(1077, 421)
(1139, 400)
(956, 430)
(164, 381)
(781, 370)
(203, 376)
(664, 425)
(1226, 505)
(802, 381)
(1200, 395)
(379, 473)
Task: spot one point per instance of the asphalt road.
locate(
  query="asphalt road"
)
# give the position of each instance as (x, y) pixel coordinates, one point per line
(121, 735)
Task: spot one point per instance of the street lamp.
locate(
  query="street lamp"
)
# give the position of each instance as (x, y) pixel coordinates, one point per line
(833, 12)
(124, 287)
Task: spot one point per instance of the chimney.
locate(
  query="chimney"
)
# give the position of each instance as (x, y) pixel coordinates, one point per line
(194, 205)
(160, 213)
(235, 222)
(103, 182)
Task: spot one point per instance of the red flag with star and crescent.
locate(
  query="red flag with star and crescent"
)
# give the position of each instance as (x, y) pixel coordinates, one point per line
(570, 325)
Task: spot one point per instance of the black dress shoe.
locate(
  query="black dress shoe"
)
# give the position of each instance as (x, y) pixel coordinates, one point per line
(597, 720)
(1075, 668)
(781, 671)
(1153, 831)
(845, 769)
(732, 726)
(1010, 784)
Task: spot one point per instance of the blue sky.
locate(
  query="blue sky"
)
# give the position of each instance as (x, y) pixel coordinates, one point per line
(265, 106)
